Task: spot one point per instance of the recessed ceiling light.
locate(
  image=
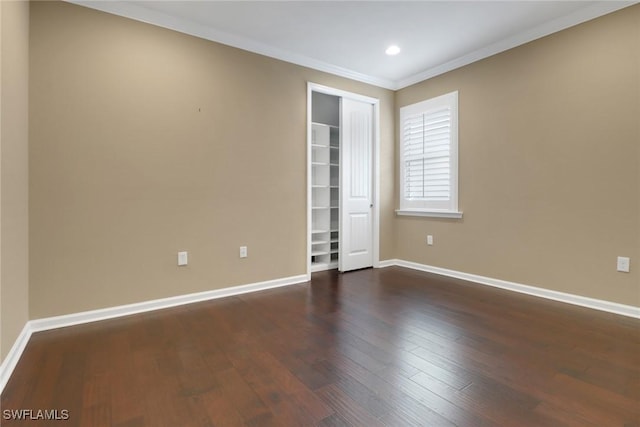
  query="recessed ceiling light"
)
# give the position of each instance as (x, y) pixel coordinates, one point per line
(392, 50)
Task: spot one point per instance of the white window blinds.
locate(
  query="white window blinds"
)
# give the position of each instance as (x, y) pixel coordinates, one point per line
(429, 156)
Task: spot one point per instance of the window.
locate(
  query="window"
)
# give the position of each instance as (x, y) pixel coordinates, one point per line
(429, 158)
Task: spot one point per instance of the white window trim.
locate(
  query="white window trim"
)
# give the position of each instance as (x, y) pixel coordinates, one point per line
(429, 213)
(436, 210)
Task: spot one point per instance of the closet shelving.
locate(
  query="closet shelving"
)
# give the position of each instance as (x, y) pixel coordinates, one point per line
(325, 179)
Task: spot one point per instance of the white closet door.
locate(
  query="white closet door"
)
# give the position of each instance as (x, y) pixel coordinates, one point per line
(356, 186)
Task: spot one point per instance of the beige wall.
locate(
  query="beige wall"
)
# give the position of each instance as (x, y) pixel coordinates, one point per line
(549, 164)
(145, 141)
(14, 72)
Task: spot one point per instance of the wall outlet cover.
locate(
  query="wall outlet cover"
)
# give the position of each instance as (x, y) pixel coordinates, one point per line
(623, 264)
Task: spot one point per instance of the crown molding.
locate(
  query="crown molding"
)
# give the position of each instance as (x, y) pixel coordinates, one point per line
(580, 16)
(136, 11)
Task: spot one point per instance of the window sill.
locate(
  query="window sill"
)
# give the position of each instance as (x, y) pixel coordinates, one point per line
(433, 214)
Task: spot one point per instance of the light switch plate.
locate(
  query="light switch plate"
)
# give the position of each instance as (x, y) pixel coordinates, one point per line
(182, 258)
(243, 252)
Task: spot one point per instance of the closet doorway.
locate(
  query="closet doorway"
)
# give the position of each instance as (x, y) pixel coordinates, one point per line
(342, 177)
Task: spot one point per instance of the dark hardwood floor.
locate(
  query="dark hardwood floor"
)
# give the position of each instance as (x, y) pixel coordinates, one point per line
(368, 348)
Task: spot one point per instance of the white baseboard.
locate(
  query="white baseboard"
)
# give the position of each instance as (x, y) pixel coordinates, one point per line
(387, 263)
(141, 307)
(10, 362)
(597, 304)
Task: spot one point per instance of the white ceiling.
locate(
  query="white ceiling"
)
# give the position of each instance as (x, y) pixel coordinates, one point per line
(348, 38)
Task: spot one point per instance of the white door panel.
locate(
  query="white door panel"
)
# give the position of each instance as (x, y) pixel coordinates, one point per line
(360, 231)
(356, 173)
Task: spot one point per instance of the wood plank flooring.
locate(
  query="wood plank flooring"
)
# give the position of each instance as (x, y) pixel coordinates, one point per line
(387, 347)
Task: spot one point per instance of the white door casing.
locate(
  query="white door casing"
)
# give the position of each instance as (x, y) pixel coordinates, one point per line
(356, 186)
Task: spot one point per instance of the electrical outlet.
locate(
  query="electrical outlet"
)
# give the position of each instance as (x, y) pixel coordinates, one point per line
(430, 240)
(623, 264)
(243, 252)
(182, 258)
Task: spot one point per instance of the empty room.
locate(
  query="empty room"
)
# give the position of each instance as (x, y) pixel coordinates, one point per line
(319, 213)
